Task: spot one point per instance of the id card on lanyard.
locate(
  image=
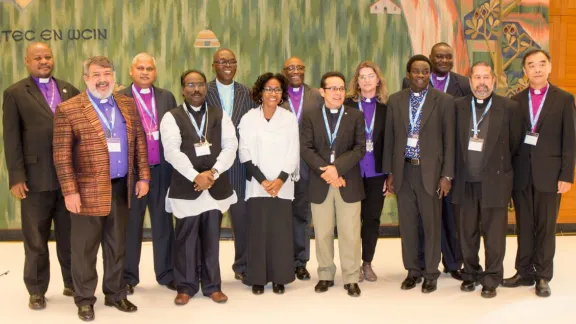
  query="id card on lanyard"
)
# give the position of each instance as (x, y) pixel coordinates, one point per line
(531, 136)
(332, 136)
(369, 129)
(476, 143)
(153, 128)
(413, 138)
(203, 147)
(113, 143)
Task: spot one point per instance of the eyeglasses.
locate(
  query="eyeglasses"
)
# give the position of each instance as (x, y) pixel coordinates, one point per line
(272, 90)
(367, 76)
(142, 69)
(193, 85)
(226, 62)
(334, 89)
(292, 68)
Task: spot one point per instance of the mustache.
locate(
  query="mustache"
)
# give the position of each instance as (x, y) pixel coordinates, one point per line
(102, 83)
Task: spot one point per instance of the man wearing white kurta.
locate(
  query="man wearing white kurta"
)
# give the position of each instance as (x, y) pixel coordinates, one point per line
(200, 143)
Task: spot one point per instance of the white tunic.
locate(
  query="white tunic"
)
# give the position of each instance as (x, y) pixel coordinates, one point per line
(171, 141)
(273, 146)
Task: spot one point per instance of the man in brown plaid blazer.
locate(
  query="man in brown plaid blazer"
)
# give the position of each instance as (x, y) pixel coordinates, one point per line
(99, 145)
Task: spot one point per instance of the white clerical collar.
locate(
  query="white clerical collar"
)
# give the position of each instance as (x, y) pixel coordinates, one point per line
(43, 80)
(103, 100)
(480, 101)
(196, 109)
(296, 89)
(225, 86)
(145, 91)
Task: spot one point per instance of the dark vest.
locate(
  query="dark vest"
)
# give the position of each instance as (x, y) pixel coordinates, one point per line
(180, 186)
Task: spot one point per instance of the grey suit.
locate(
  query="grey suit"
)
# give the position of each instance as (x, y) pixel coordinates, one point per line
(415, 185)
(155, 200)
(28, 128)
(301, 205)
(237, 173)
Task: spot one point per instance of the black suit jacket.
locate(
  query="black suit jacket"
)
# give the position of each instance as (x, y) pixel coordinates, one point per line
(437, 138)
(500, 147)
(312, 101)
(165, 101)
(458, 85)
(28, 129)
(552, 159)
(378, 136)
(349, 147)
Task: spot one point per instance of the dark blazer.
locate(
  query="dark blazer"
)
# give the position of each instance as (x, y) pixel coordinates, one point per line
(28, 128)
(437, 138)
(242, 104)
(500, 146)
(312, 101)
(349, 148)
(458, 85)
(165, 101)
(552, 159)
(379, 124)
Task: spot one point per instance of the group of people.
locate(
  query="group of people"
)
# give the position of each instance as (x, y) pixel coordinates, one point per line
(277, 157)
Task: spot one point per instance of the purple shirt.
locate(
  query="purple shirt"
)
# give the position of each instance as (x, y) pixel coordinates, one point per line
(537, 99)
(118, 160)
(295, 97)
(368, 163)
(439, 84)
(150, 124)
(50, 92)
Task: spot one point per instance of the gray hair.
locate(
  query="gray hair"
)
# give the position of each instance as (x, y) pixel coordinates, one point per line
(99, 60)
(143, 55)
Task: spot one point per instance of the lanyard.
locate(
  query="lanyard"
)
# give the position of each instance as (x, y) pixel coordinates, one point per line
(332, 136)
(370, 129)
(414, 118)
(152, 114)
(300, 109)
(109, 124)
(199, 130)
(230, 106)
(534, 119)
(474, 123)
(447, 81)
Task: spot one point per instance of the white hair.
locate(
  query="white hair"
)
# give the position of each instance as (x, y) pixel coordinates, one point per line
(143, 55)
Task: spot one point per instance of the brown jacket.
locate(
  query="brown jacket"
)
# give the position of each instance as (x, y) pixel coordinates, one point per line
(81, 152)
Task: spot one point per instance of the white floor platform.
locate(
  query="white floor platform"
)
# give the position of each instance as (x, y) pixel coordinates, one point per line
(380, 302)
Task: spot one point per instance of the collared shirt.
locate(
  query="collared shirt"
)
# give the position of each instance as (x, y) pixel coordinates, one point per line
(475, 159)
(368, 163)
(415, 101)
(332, 116)
(50, 92)
(537, 99)
(295, 97)
(118, 160)
(438, 82)
(226, 93)
(149, 123)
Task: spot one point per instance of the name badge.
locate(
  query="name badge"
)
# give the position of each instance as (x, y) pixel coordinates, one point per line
(413, 141)
(531, 138)
(202, 149)
(156, 135)
(332, 157)
(476, 144)
(114, 145)
(369, 146)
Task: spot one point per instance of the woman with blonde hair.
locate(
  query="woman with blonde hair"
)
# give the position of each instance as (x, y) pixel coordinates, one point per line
(368, 93)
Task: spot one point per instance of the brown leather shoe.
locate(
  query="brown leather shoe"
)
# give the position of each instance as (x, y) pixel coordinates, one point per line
(182, 299)
(219, 297)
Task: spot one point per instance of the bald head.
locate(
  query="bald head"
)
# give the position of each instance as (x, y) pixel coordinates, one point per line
(294, 69)
(143, 70)
(225, 64)
(39, 60)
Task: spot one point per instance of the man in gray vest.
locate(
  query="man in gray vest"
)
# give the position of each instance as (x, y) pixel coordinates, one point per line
(200, 143)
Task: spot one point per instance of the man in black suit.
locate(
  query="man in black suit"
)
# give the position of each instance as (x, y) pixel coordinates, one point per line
(28, 114)
(543, 171)
(152, 103)
(419, 158)
(456, 85)
(488, 135)
(332, 143)
(235, 100)
(302, 99)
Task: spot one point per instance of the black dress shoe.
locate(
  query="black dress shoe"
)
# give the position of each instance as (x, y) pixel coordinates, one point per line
(86, 313)
(302, 273)
(410, 282)
(171, 285)
(456, 274)
(323, 285)
(488, 292)
(516, 281)
(123, 305)
(239, 276)
(68, 291)
(429, 286)
(353, 289)
(278, 289)
(543, 289)
(468, 285)
(129, 289)
(37, 302)
(257, 289)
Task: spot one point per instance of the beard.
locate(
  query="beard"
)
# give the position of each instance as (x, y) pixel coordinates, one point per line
(101, 95)
(482, 92)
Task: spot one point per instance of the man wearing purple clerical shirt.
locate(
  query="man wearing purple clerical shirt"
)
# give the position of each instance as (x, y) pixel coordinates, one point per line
(152, 103)
(28, 113)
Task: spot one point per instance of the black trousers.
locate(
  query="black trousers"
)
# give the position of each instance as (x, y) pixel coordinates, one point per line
(162, 232)
(197, 239)
(371, 210)
(414, 203)
(491, 223)
(39, 210)
(239, 219)
(301, 217)
(88, 232)
(536, 215)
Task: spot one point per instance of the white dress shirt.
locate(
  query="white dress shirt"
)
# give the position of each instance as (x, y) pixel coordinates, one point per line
(171, 141)
(273, 146)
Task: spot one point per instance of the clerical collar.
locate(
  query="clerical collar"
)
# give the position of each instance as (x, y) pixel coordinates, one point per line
(294, 89)
(42, 80)
(145, 91)
(193, 109)
(539, 91)
(333, 111)
(422, 92)
(368, 100)
(439, 78)
(95, 99)
(220, 84)
(481, 103)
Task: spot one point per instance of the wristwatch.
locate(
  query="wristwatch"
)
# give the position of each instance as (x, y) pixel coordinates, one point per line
(215, 173)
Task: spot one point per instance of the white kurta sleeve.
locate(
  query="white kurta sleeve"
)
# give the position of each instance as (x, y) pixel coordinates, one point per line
(229, 145)
(171, 141)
